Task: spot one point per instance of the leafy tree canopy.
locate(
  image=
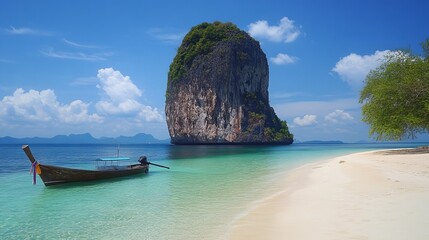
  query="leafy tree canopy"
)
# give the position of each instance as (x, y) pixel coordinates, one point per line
(396, 96)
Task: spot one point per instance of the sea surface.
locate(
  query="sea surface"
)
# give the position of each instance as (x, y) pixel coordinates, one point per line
(206, 190)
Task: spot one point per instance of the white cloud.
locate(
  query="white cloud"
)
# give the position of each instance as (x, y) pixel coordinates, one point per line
(125, 107)
(32, 105)
(166, 37)
(306, 120)
(77, 45)
(77, 55)
(348, 128)
(149, 114)
(27, 31)
(79, 51)
(283, 59)
(77, 112)
(39, 113)
(119, 104)
(287, 95)
(320, 108)
(117, 86)
(354, 68)
(337, 116)
(42, 106)
(121, 97)
(285, 32)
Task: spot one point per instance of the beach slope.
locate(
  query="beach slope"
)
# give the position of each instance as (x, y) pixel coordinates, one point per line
(369, 195)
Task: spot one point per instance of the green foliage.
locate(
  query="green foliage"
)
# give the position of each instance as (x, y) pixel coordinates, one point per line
(269, 133)
(276, 132)
(255, 121)
(283, 133)
(396, 96)
(200, 41)
(254, 117)
(279, 135)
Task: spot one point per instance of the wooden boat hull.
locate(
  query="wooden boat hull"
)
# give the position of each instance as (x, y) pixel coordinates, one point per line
(53, 175)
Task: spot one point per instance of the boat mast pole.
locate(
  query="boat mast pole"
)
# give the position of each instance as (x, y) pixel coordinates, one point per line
(27, 151)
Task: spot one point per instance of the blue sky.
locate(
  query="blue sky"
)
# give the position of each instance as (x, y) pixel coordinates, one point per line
(101, 66)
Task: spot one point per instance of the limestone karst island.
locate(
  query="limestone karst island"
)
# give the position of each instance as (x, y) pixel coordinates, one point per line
(217, 91)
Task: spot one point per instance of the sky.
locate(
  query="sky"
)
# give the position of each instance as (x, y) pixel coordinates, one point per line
(101, 66)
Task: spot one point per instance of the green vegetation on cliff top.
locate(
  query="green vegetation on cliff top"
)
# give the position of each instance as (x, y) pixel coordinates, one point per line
(200, 41)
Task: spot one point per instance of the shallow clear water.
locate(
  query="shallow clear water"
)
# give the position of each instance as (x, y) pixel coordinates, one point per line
(201, 195)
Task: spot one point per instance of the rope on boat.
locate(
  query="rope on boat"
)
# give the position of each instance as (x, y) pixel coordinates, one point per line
(35, 168)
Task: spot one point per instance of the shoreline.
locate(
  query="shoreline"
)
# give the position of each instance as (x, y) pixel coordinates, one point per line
(366, 195)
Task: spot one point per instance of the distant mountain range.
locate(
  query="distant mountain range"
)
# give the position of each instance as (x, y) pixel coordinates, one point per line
(319, 142)
(85, 138)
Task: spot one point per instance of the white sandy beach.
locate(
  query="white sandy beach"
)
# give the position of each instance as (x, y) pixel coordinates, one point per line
(370, 195)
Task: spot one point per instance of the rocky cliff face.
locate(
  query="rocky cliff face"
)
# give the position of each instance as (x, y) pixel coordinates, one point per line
(217, 91)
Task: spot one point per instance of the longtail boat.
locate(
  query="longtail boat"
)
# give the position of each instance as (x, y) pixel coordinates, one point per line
(53, 175)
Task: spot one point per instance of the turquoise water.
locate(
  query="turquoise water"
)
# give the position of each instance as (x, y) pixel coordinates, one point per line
(201, 195)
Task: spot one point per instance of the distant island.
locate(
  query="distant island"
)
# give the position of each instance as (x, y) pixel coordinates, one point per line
(85, 138)
(321, 142)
